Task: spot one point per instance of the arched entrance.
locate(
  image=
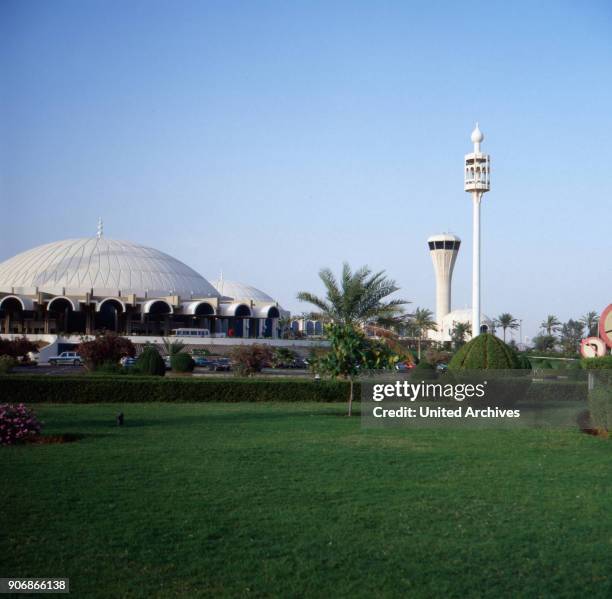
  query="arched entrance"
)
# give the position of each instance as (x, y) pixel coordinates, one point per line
(62, 310)
(109, 314)
(12, 311)
(156, 317)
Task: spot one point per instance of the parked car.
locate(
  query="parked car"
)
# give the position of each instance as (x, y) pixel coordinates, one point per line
(127, 361)
(221, 364)
(442, 367)
(167, 362)
(404, 366)
(66, 357)
(203, 361)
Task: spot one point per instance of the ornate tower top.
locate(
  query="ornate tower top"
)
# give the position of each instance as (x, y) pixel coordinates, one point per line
(477, 173)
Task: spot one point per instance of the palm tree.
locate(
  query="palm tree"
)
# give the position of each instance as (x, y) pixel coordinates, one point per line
(358, 299)
(507, 321)
(458, 333)
(173, 346)
(551, 325)
(591, 321)
(422, 322)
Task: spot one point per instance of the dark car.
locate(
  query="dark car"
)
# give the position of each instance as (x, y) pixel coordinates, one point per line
(203, 361)
(221, 365)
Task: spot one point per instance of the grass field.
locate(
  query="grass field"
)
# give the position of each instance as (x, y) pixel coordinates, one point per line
(296, 500)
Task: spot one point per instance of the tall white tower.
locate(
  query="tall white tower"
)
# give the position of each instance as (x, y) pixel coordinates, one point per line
(477, 181)
(443, 249)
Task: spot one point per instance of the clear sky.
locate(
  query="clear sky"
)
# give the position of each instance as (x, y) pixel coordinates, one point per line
(269, 139)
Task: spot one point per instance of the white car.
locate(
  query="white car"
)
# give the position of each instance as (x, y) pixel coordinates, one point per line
(66, 357)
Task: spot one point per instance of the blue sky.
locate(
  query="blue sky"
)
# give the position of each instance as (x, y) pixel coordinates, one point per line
(269, 139)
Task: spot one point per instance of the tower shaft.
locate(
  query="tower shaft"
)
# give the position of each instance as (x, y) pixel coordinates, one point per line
(443, 249)
(476, 197)
(477, 181)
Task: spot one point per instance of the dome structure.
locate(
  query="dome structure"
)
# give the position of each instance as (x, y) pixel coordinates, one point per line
(240, 291)
(477, 136)
(444, 332)
(101, 266)
(461, 316)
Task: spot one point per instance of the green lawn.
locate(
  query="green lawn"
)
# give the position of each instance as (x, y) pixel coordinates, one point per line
(296, 500)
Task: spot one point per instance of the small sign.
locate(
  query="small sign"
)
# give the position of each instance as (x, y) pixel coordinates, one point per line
(592, 347)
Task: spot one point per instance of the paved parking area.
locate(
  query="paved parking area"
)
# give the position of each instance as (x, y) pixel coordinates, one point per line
(50, 370)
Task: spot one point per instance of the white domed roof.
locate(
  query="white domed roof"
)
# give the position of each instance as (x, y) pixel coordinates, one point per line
(240, 291)
(477, 135)
(75, 266)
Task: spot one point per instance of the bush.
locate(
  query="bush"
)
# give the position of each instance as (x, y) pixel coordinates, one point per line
(150, 362)
(283, 357)
(130, 389)
(7, 363)
(485, 352)
(558, 391)
(604, 362)
(425, 365)
(108, 368)
(600, 408)
(424, 370)
(250, 359)
(17, 424)
(182, 362)
(107, 348)
(524, 362)
(559, 365)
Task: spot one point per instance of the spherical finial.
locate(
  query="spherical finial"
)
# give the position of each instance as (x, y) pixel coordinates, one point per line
(477, 135)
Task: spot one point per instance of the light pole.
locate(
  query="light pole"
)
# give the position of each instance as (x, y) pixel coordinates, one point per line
(477, 181)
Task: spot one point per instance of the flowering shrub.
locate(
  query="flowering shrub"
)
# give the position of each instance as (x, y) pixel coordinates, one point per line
(17, 424)
(106, 348)
(250, 359)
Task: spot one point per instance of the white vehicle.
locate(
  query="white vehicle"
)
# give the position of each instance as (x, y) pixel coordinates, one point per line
(66, 357)
(191, 332)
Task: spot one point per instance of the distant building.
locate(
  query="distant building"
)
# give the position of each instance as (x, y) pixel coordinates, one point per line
(306, 327)
(80, 286)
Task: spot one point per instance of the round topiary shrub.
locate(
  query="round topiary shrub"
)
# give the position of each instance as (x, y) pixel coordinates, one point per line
(507, 385)
(485, 352)
(150, 362)
(182, 362)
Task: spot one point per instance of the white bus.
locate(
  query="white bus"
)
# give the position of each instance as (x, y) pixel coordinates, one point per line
(191, 332)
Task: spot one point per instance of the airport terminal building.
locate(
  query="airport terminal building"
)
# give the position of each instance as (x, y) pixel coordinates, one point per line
(81, 286)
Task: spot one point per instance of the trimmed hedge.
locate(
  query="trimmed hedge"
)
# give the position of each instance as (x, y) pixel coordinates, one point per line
(601, 363)
(558, 391)
(600, 408)
(484, 352)
(131, 389)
